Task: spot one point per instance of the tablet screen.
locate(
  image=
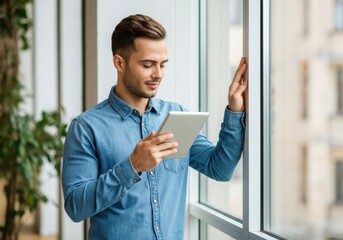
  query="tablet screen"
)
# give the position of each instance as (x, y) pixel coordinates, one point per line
(185, 126)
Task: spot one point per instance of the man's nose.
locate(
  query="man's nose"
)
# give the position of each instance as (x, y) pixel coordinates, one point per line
(158, 73)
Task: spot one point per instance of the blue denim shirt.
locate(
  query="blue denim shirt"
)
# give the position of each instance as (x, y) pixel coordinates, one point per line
(100, 183)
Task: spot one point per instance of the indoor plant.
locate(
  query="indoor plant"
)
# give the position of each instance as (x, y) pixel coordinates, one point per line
(25, 143)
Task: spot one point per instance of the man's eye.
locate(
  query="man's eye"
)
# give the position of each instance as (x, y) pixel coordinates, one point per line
(147, 65)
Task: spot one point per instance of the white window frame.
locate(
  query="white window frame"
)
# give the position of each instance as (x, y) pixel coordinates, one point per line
(252, 225)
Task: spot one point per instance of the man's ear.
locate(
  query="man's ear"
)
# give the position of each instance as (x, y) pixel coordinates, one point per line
(119, 63)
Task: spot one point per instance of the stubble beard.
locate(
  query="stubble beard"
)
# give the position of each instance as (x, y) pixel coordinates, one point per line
(133, 86)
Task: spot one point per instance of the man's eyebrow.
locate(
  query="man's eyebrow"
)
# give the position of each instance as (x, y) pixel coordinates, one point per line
(152, 61)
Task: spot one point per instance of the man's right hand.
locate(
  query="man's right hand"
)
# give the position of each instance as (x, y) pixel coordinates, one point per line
(150, 151)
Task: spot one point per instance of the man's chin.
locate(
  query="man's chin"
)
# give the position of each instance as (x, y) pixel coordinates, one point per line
(151, 94)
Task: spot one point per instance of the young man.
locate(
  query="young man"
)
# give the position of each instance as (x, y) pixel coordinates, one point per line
(116, 169)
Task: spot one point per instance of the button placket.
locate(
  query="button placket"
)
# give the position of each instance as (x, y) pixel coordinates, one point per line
(155, 204)
(152, 178)
(144, 129)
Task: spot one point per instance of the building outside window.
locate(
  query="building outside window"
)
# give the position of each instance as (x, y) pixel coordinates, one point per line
(304, 89)
(305, 16)
(339, 182)
(339, 15)
(301, 193)
(340, 91)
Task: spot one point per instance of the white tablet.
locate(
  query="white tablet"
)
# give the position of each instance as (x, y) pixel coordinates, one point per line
(185, 126)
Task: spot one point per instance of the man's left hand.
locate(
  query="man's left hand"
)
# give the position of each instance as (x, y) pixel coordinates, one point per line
(237, 89)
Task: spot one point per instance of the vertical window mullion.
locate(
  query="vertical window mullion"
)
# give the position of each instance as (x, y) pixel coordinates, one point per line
(252, 183)
(266, 123)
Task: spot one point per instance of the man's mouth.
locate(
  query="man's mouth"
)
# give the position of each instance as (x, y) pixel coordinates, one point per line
(153, 85)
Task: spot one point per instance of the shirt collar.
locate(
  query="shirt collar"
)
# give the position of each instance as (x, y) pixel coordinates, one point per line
(124, 109)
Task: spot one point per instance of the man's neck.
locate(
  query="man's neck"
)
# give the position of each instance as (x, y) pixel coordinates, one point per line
(139, 104)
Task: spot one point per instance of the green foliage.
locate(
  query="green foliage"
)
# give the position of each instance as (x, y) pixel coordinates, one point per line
(17, 18)
(22, 22)
(25, 142)
(30, 143)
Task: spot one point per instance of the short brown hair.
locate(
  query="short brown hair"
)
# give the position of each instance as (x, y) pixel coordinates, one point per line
(132, 27)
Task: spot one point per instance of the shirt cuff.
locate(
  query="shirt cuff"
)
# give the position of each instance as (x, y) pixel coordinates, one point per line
(234, 119)
(126, 173)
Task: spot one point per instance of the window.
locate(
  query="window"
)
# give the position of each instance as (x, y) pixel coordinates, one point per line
(300, 191)
(305, 16)
(290, 179)
(304, 90)
(340, 91)
(224, 50)
(339, 182)
(303, 173)
(339, 15)
(229, 212)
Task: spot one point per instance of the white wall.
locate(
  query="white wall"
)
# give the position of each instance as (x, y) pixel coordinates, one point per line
(71, 87)
(45, 90)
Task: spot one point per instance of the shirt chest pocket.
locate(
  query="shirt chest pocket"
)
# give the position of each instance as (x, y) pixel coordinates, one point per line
(175, 164)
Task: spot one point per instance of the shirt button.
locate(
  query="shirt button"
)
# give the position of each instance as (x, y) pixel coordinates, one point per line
(151, 173)
(135, 180)
(154, 201)
(156, 227)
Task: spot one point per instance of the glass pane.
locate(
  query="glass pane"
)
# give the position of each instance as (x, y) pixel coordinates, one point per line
(224, 50)
(213, 233)
(306, 122)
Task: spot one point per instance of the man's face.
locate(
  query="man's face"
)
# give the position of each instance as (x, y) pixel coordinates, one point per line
(145, 68)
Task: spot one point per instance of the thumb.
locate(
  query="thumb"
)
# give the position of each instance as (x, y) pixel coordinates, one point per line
(242, 87)
(150, 136)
